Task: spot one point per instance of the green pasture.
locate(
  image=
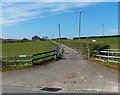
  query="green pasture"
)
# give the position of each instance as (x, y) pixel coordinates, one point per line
(26, 48)
(113, 41)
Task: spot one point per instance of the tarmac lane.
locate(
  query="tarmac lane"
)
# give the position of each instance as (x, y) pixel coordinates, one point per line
(72, 74)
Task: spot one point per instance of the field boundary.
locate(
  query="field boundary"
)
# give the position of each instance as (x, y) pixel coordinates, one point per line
(57, 53)
(107, 55)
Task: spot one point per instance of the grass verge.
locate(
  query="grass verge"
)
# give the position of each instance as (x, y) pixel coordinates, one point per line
(11, 68)
(115, 66)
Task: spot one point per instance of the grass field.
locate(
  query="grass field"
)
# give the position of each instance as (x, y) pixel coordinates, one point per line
(26, 48)
(113, 41)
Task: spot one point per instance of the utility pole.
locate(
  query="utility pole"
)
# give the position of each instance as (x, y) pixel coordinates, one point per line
(59, 35)
(79, 22)
(103, 29)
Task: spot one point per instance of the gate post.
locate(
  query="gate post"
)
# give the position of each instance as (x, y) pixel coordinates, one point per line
(88, 53)
(56, 52)
(59, 52)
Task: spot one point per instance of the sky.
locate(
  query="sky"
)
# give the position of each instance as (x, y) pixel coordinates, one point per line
(26, 19)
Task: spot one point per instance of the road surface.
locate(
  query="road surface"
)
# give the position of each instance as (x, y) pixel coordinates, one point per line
(71, 74)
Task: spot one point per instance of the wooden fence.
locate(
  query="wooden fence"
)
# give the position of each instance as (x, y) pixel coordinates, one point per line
(56, 52)
(108, 55)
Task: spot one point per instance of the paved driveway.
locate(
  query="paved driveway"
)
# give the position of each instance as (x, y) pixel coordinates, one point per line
(72, 74)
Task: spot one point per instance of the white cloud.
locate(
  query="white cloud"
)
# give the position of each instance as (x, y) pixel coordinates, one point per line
(12, 21)
(17, 12)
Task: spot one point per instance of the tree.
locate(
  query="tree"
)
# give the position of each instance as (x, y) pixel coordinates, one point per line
(25, 40)
(45, 38)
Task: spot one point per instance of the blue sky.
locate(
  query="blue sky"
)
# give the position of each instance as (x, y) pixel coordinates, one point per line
(24, 20)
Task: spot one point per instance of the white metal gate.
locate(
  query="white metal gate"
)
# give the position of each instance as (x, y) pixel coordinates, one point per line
(80, 51)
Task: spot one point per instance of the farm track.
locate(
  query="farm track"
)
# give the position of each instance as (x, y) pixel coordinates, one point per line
(72, 74)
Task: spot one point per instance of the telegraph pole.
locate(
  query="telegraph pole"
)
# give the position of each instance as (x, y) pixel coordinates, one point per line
(79, 23)
(59, 35)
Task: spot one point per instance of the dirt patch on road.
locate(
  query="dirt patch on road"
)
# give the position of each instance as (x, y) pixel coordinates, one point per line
(72, 74)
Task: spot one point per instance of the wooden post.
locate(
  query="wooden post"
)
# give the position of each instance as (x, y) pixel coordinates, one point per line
(55, 53)
(15, 61)
(108, 55)
(32, 61)
(88, 53)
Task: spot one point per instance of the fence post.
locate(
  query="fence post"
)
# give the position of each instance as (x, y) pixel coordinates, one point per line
(32, 61)
(59, 52)
(108, 55)
(55, 52)
(15, 61)
(88, 53)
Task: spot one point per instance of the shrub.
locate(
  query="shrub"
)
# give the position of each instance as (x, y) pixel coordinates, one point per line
(97, 46)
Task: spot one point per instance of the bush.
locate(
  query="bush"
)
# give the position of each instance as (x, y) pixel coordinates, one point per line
(97, 46)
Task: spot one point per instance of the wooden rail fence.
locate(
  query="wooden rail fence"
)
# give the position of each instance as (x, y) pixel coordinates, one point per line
(111, 55)
(56, 52)
(53, 51)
